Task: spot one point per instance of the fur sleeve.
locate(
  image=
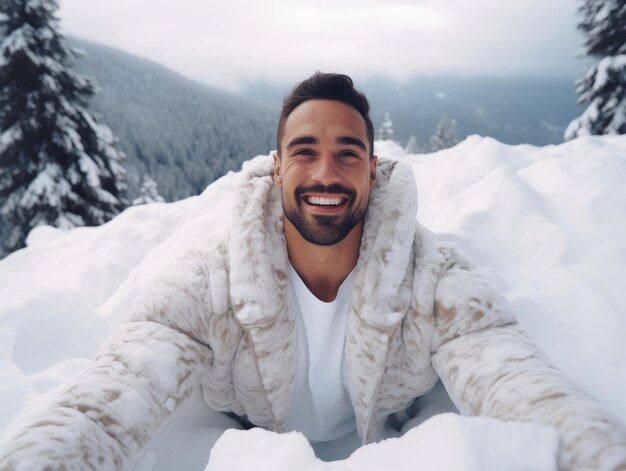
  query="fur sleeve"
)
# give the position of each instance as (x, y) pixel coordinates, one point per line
(490, 367)
(106, 415)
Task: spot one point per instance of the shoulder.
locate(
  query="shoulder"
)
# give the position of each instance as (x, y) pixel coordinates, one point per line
(442, 256)
(462, 295)
(188, 287)
(431, 254)
(196, 264)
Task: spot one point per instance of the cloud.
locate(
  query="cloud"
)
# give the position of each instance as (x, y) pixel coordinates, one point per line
(225, 43)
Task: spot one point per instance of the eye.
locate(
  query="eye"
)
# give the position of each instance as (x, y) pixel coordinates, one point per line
(348, 153)
(303, 152)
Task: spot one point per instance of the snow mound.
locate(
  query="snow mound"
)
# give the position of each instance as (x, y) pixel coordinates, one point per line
(446, 442)
(550, 224)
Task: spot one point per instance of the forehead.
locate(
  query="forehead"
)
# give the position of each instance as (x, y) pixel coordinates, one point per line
(315, 117)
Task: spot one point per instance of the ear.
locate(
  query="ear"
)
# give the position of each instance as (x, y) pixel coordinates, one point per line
(373, 167)
(278, 179)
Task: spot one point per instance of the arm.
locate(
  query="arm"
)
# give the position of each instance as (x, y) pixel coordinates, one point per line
(106, 415)
(490, 367)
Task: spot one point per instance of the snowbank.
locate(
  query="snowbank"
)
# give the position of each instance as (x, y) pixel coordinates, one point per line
(444, 442)
(548, 222)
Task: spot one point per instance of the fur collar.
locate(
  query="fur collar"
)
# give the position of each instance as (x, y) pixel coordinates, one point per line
(258, 254)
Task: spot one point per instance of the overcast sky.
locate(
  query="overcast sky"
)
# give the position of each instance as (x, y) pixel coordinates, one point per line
(228, 42)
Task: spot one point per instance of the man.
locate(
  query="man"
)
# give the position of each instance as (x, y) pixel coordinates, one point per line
(324, 307)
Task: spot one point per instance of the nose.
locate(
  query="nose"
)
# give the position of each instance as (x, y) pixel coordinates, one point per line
(326, 170)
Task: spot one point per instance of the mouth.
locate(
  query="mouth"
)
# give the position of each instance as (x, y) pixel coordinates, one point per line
(331, 200)
(326, 205)
(328, 201)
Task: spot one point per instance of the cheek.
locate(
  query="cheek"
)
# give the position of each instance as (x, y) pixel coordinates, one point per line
(366, 184)
(288, 189)
(290, 179)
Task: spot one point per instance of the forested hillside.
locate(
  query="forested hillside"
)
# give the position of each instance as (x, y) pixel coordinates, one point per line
(182, 134)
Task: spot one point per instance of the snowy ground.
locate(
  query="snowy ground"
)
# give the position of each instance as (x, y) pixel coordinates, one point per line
(549, 223)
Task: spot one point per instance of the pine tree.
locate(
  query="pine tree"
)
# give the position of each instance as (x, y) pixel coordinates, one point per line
(603, 87)
(149, 192)
(58, 164)
(445, 135)
(411, 145)
(385, 132)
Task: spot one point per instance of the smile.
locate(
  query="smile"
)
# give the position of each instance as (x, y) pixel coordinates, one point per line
(325, 201)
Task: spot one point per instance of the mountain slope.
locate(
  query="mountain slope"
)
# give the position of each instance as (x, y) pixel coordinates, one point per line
(181, 133)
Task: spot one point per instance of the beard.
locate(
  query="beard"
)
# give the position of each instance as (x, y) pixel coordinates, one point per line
(322, 229)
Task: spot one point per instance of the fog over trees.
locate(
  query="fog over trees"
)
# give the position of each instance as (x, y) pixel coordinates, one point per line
(445, 135)
(386, 132)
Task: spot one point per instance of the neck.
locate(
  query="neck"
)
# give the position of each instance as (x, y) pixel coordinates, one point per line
(323, 268)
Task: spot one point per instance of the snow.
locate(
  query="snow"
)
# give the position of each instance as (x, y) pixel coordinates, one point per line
(385, 132)
(89, 169)
(9, 136)
(602, 14)
(445, 135)
(602, 90)
(149, 192)
(444, 442)
(50, 84)
(44, 188)
(605, 66)
(15, 41)
(34, 5)
(547, 223)
(103, 132)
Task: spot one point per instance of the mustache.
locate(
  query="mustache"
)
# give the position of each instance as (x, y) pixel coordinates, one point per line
(335, 188)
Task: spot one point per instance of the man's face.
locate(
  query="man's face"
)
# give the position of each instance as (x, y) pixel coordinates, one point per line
(324, 171)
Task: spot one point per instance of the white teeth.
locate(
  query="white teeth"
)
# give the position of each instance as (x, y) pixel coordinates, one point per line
(318, 200)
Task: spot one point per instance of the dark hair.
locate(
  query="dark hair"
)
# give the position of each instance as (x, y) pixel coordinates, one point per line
(322, 86)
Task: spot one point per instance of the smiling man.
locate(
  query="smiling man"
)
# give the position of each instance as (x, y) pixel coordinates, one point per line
(323, 307)
(326, 170)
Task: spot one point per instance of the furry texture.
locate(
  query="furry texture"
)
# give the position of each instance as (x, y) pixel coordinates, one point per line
(221, 317)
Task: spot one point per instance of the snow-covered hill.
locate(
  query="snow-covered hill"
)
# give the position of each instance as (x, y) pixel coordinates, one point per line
(182, 134)
(548, 222)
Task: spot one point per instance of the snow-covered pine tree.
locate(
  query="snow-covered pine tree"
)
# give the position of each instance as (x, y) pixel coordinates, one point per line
(411, 145)
(149, 192)
(58, 164)
(445, 135)
(603, 87)
(385, 132)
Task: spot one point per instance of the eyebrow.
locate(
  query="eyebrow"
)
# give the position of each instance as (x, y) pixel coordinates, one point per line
(302, 140)
(345, 140)
(351, 141)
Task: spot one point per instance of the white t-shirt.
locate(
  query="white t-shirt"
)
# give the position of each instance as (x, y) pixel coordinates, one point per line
(320, 407)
